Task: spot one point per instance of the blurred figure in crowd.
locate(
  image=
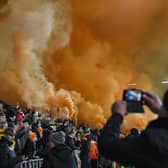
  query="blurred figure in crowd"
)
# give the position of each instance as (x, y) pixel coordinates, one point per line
(11, 116)
(59, 154)
(85, 149)
(94, 154)
(3, 126)
(72, 142)
(19, 115)
(8, 158)
(3, 123)
(25, 139)
(70, 139)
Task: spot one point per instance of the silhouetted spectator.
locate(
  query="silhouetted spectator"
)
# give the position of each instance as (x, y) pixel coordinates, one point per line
(59, 155)
(85, 150)
(150, 148)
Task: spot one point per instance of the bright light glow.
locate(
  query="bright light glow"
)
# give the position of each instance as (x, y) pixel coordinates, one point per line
(164, 82)
(132, 84)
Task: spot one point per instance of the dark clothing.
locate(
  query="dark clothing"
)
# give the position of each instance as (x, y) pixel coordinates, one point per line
(94, 163)
(85, 151)
(10, 123)
(105, 163)
(60, 157)
(24, 146)
(150, 149)
(21, 138)
(85, 162)
(85, 147)
(78, 144)
(30, 148)
(71, 142)
(64, 128)
(8, 157)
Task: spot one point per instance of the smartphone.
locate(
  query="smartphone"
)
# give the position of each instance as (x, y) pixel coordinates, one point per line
(134, 100)
(133, 95)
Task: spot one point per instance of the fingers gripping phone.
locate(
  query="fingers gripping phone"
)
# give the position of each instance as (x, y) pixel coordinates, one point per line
(134, 100)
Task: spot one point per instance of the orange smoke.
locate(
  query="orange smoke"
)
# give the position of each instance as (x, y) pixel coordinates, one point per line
(92, 49)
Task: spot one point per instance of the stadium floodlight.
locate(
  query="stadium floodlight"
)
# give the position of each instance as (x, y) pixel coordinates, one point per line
(164, 82)
(132, 84)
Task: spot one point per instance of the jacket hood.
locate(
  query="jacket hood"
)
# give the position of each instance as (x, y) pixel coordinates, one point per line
(157, 135)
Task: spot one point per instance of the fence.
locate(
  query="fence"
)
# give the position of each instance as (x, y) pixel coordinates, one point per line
(35, 163)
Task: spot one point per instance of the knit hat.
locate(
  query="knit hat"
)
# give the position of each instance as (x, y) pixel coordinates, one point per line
(58, 137)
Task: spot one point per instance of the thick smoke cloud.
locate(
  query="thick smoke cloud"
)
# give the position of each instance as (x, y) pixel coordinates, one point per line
(108, 45)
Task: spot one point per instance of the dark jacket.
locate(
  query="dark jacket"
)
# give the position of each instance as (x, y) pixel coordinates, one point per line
(24, 146)
(60, 157)
(21, 138)
(8, 157)
(71, 142)
(85, 147)
(149, 150)
(10, 123)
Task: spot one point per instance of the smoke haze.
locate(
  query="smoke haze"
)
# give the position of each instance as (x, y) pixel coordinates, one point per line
(92, 49)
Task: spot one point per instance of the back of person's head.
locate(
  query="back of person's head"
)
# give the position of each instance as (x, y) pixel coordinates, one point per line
(9, 135)
(134, 131)
(57, 137)
(165, 101)
(9, 131)
(11, 112)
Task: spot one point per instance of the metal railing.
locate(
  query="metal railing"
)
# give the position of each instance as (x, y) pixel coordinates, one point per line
(34, 163)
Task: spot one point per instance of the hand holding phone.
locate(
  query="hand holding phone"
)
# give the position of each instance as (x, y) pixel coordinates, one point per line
(153, 102)
(134, 100)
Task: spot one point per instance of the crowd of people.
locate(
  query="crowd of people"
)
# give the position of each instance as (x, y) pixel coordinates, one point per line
(27, 134)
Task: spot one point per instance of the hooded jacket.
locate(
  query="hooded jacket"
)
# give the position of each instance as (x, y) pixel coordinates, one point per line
(149, 150)
(60, 157)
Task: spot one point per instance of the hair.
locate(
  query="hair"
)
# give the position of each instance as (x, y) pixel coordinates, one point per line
(134, 131)
(28, 121)
(165, 100)
(9, 131)
(72, 130)
(2, 125)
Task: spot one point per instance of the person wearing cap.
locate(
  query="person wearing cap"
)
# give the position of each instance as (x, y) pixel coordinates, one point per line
(150, 148)
(59, 155)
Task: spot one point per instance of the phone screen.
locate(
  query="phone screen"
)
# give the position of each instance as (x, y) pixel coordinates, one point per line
(133, 95)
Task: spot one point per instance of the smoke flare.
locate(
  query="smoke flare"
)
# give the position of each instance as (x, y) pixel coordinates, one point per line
(92, 49)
